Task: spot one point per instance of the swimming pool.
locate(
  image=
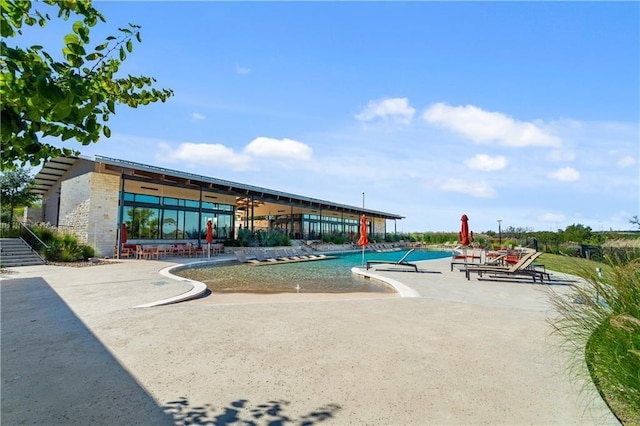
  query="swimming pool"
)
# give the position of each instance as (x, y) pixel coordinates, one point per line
(319, 276)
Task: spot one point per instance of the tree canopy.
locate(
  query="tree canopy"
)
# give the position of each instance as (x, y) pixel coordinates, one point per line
(15, 191)
(64, 99)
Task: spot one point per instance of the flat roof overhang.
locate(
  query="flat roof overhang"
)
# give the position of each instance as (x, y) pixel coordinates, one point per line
(55, 168)
(51, 172)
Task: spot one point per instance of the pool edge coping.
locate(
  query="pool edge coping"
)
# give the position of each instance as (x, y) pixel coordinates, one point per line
(402, 289)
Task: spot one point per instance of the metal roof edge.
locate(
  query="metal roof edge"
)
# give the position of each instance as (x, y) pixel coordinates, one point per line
(202, 178)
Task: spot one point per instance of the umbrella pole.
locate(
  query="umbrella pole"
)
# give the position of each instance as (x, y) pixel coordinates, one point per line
(363, 256)
(209, 250)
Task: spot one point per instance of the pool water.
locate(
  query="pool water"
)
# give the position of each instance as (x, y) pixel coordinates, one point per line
(318, 276)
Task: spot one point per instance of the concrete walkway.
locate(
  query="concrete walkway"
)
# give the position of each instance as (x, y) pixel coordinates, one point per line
(76, 351)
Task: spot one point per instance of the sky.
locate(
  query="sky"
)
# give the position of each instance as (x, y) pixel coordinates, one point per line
(522, 112)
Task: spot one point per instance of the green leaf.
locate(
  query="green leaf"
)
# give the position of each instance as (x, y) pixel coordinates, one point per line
(139, 37)
(91, 21)
(123, 55)
(33, 148)
(106, 131)
(71, 39)
(50, 92)
(77, 26)
(129, 46)
(93, 56)
(61, 111)
(77, 49)
(102, 46)
(75, 60)
(90, 124)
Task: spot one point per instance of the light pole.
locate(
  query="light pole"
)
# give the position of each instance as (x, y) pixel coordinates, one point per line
(499, 233)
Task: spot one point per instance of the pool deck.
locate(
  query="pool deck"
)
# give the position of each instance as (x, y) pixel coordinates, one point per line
(76, 350)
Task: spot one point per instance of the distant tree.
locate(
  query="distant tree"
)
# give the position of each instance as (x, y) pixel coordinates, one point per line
(635, 221)
(15, 191)
(515, 233)
(65, 99)
(577, 233)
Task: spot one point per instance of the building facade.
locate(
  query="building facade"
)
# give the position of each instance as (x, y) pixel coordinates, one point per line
(93, 197)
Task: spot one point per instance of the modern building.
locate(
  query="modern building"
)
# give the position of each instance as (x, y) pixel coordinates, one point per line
(92, 197)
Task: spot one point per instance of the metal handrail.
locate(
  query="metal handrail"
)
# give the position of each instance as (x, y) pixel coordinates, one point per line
(32, 240)
(26, 228)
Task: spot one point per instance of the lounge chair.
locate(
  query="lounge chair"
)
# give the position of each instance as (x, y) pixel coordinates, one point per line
(295, 254)
(262, 256)
(523, 267)
(242, 257)
(299, 253)
(402, 261)
(309, 252)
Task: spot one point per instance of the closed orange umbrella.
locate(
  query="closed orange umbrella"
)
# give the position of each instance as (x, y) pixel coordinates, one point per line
(364, 239)
(464, 232)
(209, 232)
(209, 237)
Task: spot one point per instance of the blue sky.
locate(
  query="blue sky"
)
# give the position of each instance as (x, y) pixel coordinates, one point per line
(524, 112)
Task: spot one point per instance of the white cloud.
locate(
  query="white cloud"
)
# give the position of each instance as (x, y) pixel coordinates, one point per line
(394, 109)
(242, 70)
(552, 218)
(197, 116)
(626, 161)
(567, 174)
(486, 163)
(279, 148)
(205, 154)
(483, 126)
(476, 189)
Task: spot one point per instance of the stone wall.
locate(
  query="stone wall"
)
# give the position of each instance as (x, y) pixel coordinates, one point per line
(89, 210)
(33, 215)
(379, 227)
(103, 220)
(74, 207)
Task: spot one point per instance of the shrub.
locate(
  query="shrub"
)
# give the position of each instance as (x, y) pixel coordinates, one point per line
(64, 248)
(46, 232)
(602, 318)
(87, 251)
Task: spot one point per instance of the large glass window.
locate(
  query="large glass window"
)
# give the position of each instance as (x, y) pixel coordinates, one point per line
(191, 229)
(142, 222)
(170, 224)
(179, 220)
(224, 226)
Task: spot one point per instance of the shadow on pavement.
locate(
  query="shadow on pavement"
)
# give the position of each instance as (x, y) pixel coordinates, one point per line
(55, 371)
(242, 412)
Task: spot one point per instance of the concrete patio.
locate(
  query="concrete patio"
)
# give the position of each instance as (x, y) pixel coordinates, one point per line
(75, 350)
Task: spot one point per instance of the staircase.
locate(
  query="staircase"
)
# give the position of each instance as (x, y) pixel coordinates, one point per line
(15, 252)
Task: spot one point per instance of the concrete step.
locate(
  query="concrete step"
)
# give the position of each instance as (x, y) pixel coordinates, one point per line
(15, 252)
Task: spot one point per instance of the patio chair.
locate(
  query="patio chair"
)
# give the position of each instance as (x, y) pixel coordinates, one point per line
(463, 257)
(523, 267)
(402, 261)
(198, 251)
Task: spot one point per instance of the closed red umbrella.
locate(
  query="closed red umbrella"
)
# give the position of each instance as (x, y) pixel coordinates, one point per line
(123, 233)
(364, 239)
(464, 232)
(209, 232)
(209, 237)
